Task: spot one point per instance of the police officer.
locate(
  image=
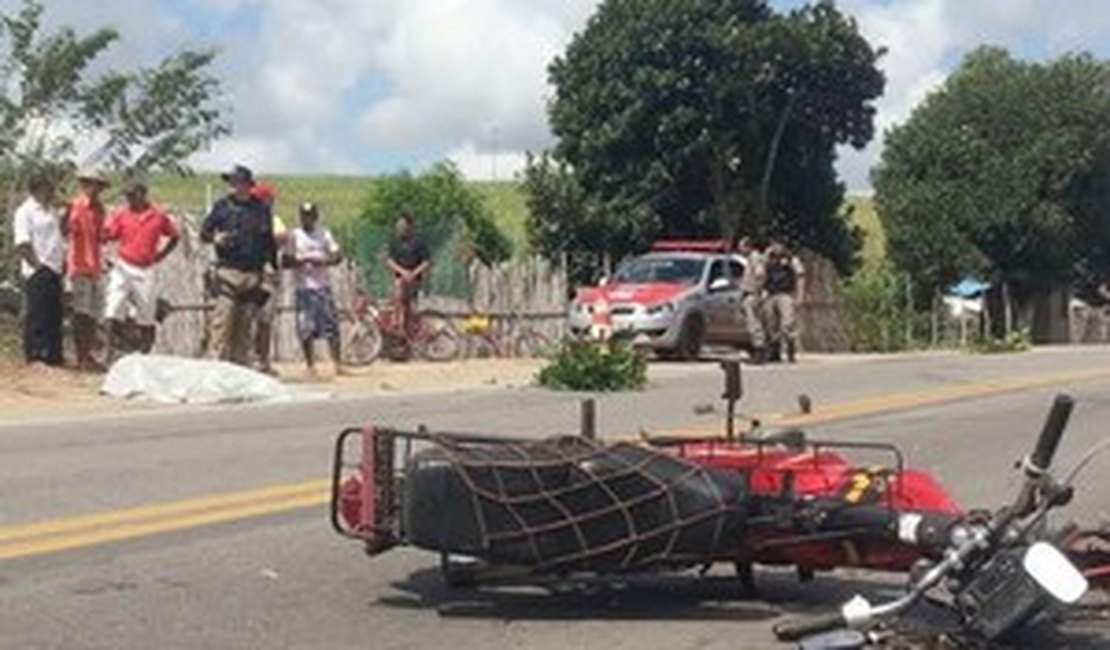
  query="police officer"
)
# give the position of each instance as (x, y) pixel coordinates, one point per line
(752, 284)
(784, 283)
(241, 228)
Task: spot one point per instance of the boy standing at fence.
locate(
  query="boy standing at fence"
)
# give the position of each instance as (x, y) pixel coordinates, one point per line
(84, 229)
(312, 251)
(140, 229)
(408, 261)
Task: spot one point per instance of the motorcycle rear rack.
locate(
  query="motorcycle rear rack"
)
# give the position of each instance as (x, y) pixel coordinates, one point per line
(378, 521)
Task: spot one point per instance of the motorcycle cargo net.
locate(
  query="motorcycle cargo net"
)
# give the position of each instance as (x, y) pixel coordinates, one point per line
(569, 504)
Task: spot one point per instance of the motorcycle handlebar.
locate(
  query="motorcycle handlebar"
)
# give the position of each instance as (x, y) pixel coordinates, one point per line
(1053, 431)
(800, 628)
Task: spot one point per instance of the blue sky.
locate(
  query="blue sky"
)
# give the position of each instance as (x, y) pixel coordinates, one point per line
(373, 86)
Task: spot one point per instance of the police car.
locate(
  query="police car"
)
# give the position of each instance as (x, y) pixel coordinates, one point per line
(676, 299)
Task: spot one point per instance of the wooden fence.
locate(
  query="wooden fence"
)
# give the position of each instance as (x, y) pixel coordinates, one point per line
(533, 288)
(822, 317)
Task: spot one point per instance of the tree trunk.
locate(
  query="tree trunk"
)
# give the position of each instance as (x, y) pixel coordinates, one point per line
(1008, 308)
(772, 157)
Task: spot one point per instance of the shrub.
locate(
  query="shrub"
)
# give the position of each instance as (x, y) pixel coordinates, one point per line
(590, 366)
(1018, 340)
(878, 310)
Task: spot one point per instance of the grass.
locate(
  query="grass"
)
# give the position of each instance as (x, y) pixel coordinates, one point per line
(341, 198)
(866, 218)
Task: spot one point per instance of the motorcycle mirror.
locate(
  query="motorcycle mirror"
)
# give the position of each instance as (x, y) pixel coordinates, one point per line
(1055, 573)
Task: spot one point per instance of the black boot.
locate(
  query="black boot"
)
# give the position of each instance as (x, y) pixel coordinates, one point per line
(758, 356)
(774, 352)
(791, 351)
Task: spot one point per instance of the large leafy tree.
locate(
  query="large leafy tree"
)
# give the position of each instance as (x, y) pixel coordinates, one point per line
(444, 208)
(58, 112)
(52, 101)
(709, 118)
(1003, 173)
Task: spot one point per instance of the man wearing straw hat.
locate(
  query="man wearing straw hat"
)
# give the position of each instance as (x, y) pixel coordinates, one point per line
(84, 227)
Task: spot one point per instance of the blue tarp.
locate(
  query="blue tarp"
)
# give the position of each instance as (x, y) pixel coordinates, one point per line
(968, 288)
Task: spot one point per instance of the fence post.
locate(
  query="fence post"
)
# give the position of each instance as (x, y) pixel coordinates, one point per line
(909, 311)
(588, 419)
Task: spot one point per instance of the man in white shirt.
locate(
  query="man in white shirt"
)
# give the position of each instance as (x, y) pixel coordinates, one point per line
(41, 250)
(312, 251)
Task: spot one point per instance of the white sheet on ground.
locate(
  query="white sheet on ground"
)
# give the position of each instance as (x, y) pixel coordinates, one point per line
(180, 380)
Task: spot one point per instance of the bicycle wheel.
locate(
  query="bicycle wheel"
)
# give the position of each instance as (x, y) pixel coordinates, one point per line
(363, 345)
(532, 344)
(436, 337)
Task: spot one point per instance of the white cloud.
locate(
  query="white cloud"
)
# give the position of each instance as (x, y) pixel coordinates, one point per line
(471, 69)
(459, 76)
(482, 164)
(925, 38)
(356, 85)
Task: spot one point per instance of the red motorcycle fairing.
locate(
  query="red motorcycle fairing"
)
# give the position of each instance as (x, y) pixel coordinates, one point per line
(814, 474)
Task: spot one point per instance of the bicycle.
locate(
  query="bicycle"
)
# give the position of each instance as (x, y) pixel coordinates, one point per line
(528, 341)
(372, 331)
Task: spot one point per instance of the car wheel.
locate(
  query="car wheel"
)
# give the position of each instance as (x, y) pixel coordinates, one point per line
(691, 338)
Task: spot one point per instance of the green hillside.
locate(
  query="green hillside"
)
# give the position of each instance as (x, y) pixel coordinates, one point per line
(867, 219)
(341, 198)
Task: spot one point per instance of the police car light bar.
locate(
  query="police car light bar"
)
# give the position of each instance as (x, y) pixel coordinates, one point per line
(691, 245)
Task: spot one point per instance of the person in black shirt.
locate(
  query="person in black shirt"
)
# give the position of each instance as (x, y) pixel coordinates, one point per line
(409, 262)
(785, 276)
(241, 228)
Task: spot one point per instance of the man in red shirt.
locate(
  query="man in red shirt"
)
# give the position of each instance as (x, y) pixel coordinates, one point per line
(139, 227)
(84, 225)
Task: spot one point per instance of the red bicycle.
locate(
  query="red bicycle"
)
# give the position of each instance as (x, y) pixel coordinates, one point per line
(370, 331)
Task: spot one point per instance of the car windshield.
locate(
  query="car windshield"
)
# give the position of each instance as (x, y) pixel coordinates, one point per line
(644, 270)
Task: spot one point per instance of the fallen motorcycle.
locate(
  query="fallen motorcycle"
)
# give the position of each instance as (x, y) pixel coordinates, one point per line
(549, 511)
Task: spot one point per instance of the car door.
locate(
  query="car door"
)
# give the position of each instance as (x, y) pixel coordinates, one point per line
(721, 298)
(734, 327)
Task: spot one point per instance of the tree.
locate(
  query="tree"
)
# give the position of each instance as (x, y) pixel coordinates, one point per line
(56, 113)
(445, 210)
(148, 118)
(1002, 174)
(705, 118)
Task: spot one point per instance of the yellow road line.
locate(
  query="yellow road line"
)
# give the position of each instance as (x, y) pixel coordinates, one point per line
(40, 546)
(894, 402)
(62, 534)
(158, 511)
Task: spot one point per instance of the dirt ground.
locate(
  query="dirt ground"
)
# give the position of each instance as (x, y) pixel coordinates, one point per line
(41, 394)
(45, 394)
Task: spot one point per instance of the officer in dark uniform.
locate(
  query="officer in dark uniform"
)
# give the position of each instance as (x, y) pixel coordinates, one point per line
(784, 283)
(240, 226)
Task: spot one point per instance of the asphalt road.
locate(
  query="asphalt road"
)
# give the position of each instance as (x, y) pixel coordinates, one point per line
(285, 581)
